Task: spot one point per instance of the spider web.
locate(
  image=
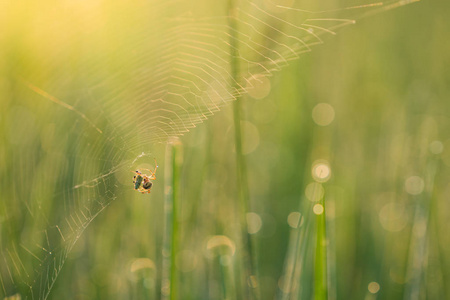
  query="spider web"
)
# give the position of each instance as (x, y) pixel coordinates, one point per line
(90, 87)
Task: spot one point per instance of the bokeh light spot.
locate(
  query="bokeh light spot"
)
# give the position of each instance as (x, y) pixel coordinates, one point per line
(165, 287)
(373, 287)
(254, 222)
(414, 185)
(393, 217)
(295, 219)
(142, 263)
(221, 243)
(321, 171)
(258, 86)
(323, 114)
(314, 191)
(436, 147)
(318, 209)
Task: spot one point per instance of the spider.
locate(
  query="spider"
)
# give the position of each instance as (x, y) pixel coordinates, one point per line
(142, 182)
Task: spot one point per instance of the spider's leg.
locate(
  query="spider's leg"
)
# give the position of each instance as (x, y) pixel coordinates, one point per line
(152, 177)
(154, 171)
(143, 191)
(156, 167)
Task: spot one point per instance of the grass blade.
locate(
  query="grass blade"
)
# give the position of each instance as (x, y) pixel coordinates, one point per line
(320, 272)
(171, 223)
(248, 247)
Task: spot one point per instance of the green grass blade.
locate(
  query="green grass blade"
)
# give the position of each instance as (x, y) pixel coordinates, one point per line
(248, 247)
(320, 267)
(420, 235)
(171, 237)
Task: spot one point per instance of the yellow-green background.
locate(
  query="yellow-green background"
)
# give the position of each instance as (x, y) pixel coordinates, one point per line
(387, 80)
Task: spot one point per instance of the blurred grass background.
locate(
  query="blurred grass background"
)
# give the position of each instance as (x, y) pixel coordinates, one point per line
(386, 140)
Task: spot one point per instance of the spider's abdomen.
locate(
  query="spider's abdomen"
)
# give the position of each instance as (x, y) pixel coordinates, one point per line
(137, 182)
(147, 185)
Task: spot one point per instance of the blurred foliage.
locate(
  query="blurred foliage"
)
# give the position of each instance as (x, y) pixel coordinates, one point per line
(386, 140)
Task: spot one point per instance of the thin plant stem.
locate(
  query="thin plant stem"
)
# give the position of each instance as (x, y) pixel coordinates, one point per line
(320, 266)
(419, 243)
(171, 221)
(294, 259)
(249, 257)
